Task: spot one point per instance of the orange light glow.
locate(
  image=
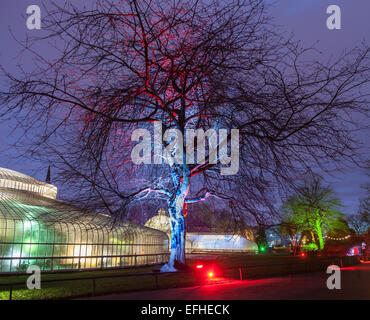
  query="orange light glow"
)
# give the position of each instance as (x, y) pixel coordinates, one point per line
(210, 274)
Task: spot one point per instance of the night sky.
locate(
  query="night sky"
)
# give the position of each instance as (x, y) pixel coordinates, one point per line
(306, 18)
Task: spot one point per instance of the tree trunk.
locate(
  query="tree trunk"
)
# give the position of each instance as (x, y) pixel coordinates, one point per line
(177, 223)
(319, 234)
(177, 255)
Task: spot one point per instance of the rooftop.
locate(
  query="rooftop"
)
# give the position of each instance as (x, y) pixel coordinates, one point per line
(10, 179)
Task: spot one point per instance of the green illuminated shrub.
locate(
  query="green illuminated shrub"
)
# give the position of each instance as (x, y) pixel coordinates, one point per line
(310, 247)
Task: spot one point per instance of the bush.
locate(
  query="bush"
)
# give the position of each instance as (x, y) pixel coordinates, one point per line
(310, 247)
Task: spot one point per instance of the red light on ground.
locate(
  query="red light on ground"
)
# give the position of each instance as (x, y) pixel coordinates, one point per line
(303, 254)
(199, 266)
(210, 274)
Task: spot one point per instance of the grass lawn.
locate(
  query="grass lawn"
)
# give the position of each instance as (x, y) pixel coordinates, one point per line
(77, 288)
(84, 287)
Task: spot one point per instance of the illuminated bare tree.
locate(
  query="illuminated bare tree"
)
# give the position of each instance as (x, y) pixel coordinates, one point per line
(360, 222)
(124, 65)
(314, 208)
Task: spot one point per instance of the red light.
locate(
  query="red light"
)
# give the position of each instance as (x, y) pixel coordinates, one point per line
(210, 274)
(303, 254)
(199, 266)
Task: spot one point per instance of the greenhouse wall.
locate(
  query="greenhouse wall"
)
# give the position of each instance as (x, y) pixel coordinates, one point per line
(36, 229)
(202, 242)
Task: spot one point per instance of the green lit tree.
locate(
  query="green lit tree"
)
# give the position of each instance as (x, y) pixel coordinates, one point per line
(313, 207)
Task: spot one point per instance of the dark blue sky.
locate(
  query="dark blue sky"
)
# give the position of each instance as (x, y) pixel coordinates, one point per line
(306, 18)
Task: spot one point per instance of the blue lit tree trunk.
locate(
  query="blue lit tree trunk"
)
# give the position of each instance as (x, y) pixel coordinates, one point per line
(177, 254)
(177, 220)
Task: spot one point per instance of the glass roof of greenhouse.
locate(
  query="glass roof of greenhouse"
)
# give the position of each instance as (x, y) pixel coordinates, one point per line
(7, 174)
(25, 205)
(10, 179)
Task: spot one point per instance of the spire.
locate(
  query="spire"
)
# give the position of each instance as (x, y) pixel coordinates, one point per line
(48, 177)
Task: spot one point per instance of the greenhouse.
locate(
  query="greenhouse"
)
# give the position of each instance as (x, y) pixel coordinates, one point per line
(206, 241)
(198, 242)
(37, 229)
